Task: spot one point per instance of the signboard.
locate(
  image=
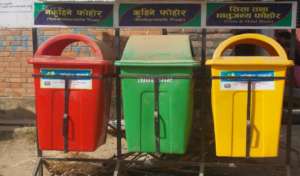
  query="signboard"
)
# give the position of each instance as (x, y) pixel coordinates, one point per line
(56, 83)
(73, 14)
(242, 84)
(16, 13)
(160, 15)
(185, 14)
(251, 15)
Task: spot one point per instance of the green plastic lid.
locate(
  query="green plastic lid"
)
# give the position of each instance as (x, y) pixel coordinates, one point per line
(158, 50)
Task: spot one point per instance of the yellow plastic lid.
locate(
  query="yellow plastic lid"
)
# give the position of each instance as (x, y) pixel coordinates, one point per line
(278, 56)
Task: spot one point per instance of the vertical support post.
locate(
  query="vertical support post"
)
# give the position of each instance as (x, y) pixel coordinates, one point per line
(118, 102)
(249, 123)
(203, 47)
(203, 86)
(39, 169)
(34, 40)
(290, 105)
(118, 94)
(156, 115)
(66, 115)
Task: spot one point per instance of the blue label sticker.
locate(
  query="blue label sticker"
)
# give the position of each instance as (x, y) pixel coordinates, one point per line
(58, 83)
(261, 80)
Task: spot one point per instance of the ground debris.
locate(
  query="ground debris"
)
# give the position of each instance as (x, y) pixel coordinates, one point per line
(76, 168)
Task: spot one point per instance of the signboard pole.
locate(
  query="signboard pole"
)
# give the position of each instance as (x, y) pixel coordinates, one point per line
(290, 105)
(34, 34)
(164, 32)
(203, 90)
(118, 102)
(34, 40)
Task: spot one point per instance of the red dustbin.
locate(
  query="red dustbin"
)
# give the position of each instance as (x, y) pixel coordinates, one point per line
(72, 95)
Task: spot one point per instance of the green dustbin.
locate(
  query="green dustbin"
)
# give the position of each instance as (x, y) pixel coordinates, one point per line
(166, 56)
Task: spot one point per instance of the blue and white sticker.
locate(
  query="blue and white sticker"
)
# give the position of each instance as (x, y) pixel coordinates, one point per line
(242, 84)
(57, 83)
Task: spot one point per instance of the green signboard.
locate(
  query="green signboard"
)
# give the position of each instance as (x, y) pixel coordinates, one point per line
(255, 15)
(160, 15)
(73, 14)
(234, 15)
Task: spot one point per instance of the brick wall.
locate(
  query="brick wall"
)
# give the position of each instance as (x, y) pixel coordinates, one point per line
(16, 83)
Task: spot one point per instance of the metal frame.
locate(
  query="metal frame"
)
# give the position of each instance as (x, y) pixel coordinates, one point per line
(120, 160)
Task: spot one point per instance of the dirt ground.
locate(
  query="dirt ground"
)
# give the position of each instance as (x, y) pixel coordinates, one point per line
(18, 154)
(18, 157)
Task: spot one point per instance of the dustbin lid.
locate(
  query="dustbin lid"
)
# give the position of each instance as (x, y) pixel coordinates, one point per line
(158, 50)
(277, 55)
(50, 52)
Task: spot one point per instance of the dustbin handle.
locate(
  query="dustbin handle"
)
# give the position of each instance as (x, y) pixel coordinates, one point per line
(55, 45)
(268, 43)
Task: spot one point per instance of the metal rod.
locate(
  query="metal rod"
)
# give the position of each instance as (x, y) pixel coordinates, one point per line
(117, 169)
(164, 32)
(203, 47)
(202, 168)
(118, 95)
(66, 115)
(163, 163)
(156, 115)
(34, 40)
(203, 108)
(290, 105)
(37, 168)
(252, 78)
(248, 121)
(78, 159)
(118, 103)
(34, 48)
(41, 173)
(134, 76)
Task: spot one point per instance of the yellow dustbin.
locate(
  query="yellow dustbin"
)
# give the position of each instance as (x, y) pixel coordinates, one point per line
(230, 98)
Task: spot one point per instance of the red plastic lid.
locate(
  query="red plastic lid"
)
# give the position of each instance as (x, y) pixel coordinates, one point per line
(50, 51)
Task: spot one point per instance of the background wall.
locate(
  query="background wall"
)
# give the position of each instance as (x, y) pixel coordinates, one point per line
(16, 82)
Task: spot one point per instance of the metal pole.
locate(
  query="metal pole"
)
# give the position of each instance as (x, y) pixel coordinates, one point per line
(118, 103)
(156, 114)
(203, 48)
(164, 32)
(118, 94)
(34, 40)
(203, 82)
(290, 105)
(66, 115)
(39, 152)
(37, 170)
(249, 125)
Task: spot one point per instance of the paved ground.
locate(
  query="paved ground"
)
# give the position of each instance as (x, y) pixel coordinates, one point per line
(18, 156)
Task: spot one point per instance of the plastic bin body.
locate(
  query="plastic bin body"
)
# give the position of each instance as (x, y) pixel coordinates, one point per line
(229, 104)
(175, 97)
(88, 106)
